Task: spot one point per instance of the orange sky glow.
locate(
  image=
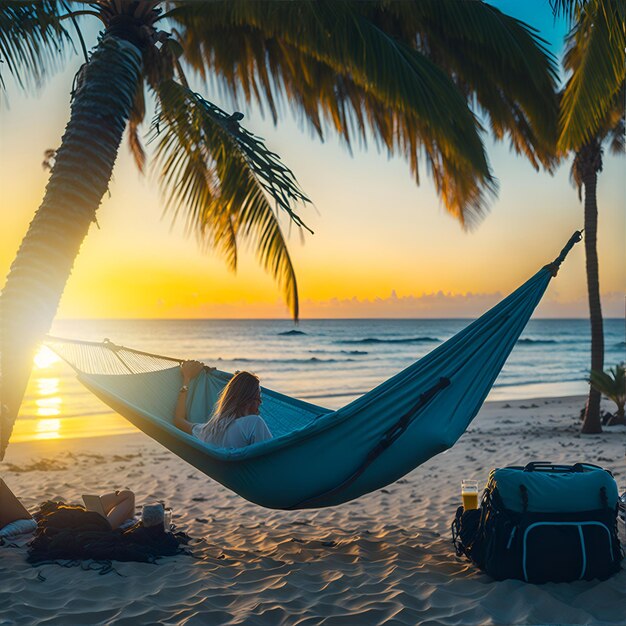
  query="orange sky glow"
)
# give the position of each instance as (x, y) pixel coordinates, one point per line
(382, 247)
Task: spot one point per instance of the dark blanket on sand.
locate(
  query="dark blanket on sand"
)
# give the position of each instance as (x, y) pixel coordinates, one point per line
(70, 533)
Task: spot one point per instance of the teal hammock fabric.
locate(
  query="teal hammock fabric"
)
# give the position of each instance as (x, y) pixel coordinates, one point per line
(319, 457)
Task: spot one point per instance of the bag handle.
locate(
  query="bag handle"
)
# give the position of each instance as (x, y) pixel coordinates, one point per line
(581, 467)
(549, 466)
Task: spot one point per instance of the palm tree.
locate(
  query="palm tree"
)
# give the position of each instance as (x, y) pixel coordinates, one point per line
(401, 73)
(592, 113)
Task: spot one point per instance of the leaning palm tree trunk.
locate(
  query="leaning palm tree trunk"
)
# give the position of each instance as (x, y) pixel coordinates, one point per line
(592, 422)
(80, 177)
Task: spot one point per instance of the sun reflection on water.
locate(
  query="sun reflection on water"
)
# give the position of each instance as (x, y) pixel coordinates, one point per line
(48, 403)
(48, 406)
(48, 429)
(55, 408)
(47, 386)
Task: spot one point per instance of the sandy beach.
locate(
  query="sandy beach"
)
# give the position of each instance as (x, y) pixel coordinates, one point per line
(384, 559)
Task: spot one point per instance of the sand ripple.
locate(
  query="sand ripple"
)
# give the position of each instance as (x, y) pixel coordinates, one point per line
(385, 560)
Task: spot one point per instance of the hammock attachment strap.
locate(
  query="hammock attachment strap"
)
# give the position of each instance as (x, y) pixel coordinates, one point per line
(553, 267)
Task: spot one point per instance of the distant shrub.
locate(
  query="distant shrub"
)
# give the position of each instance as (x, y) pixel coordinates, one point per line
(612, 384)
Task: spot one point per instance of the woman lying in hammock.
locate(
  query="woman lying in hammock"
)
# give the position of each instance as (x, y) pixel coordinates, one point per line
(235, 421)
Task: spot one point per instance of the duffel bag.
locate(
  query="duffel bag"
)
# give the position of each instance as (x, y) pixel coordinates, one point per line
(543, 522)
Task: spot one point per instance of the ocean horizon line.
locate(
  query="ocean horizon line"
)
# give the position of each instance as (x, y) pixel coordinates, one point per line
(301, 319)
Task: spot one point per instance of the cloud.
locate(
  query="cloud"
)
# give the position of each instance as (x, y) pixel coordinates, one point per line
(452, 305)
(612, 306)
(428, 305)
(438, 304)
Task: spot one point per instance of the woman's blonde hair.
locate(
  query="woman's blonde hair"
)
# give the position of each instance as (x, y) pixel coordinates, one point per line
(234, 402)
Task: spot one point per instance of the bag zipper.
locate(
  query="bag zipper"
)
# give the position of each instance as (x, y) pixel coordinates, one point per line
(508, 545)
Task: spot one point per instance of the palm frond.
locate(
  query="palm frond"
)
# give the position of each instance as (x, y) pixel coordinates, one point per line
(223, 177)
(340, 70)
(616, 138)
(611, 384)
(137, 114)
(595, 58)
(614, 127)
(495, 60)
(160, 63)
(32, 40)
(572, 10)
(569, 9)
(576, 175)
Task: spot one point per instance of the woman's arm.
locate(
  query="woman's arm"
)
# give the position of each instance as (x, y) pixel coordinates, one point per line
(189, 370)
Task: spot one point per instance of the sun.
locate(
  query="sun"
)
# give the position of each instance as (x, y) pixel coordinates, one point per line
(45, 358)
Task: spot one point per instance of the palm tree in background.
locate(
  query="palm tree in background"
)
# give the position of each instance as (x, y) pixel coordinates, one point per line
(401, 74)
(592, 115)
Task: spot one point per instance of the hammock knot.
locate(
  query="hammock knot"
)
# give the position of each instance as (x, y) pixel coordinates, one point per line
(553, 268)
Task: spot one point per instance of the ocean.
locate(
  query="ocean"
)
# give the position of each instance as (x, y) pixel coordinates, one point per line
(327, 362)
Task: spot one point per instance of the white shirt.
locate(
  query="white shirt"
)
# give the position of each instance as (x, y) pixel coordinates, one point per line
(244, 431)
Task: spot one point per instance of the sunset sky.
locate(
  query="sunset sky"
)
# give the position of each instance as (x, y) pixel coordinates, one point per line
(382, 247)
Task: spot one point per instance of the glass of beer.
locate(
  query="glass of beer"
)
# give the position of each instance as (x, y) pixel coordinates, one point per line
(469, 493)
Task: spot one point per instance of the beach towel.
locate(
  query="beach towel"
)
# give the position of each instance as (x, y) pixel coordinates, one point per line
(68, 534)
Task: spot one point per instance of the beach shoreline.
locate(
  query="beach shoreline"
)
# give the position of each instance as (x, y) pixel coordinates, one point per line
(101, 421)
(43, 445)
(385, 558)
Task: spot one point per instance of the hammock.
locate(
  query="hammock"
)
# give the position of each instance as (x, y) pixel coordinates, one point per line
(319, 457)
